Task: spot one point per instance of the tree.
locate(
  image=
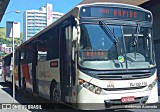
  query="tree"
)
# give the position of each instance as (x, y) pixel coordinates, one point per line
(8, 41)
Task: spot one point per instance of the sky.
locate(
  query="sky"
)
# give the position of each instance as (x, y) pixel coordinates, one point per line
(62, 6)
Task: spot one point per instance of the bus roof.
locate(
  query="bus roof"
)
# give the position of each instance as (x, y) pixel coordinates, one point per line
(75, 13)
(132, 2)
(115, 5)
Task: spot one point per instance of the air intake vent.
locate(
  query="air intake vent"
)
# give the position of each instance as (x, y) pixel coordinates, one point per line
(123, 76)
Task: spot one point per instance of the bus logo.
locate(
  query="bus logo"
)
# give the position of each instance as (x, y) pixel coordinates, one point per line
(110, 84)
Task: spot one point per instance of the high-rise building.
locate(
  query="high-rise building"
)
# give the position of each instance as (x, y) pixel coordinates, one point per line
(36, 20)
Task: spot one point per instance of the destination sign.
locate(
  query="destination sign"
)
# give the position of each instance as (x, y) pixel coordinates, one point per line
(94, 55)
(115, 13)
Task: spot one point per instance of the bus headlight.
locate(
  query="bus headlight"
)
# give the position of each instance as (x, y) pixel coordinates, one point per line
(98, 90)
(90, 86)
(150, 86)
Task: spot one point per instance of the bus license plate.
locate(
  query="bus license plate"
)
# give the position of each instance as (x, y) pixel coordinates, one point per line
(127, 99)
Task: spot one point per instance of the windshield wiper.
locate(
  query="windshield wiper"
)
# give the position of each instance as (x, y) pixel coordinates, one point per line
(135, 40)
(108, 31)
(110, 34)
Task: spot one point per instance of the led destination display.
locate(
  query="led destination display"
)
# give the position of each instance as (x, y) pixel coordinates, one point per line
(115, 13)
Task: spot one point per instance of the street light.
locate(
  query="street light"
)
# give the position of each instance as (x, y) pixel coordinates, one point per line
(16, 11)
(13, 63)
(12, 22)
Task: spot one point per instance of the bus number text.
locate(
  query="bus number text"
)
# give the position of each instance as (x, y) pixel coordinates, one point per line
(138, 84)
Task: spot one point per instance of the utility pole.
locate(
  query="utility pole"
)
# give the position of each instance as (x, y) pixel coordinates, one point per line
(13, 63)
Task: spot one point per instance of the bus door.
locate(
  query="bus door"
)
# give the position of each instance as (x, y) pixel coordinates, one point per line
(41, 76)
(65, 64)
(34, 68)
(41, 67)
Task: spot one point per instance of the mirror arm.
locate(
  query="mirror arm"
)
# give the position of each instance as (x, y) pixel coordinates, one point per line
(78, 30)
(76, 39)
(77, 22)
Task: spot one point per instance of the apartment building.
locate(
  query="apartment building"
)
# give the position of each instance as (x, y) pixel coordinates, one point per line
(36, 20)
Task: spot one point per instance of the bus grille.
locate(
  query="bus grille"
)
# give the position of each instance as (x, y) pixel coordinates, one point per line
(120, 89)
(124, 76)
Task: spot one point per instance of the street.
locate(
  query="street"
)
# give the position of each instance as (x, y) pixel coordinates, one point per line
(28, 98)
(24, 98)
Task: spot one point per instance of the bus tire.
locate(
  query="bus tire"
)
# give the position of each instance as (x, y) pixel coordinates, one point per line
(54, 94)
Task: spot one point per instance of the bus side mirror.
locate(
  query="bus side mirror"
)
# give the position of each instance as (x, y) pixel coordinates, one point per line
(75, 37)
(75, 40)
(76, 30)
(75, 34)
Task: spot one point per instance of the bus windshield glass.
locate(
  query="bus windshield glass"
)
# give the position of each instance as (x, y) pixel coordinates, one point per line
(108, 47)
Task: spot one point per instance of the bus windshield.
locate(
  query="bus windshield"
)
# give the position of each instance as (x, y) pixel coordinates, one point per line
(131, 50)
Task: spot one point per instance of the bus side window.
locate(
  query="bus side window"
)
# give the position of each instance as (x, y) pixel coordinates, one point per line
(85, 41)
(42, 56)
(29, 56)
(53, 44)
(41, 48)
(42, 51)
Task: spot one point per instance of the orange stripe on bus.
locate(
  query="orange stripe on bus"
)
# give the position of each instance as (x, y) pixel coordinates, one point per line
(25, 71)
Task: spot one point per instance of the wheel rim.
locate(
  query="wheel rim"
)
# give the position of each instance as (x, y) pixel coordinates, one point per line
(55, 95)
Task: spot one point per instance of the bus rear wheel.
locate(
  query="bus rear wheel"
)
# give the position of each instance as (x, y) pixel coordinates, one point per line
(54, 93)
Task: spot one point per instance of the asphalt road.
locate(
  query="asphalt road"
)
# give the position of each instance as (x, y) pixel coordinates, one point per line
(27, 98)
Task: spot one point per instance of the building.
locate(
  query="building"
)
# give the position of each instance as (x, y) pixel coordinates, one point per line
(5, 49)
(13, 29)
(36, 20)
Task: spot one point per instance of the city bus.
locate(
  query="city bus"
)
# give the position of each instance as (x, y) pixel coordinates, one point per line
(7, 68)
(97, 56)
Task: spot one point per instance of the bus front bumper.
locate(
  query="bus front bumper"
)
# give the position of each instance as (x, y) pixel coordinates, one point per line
(89, 100)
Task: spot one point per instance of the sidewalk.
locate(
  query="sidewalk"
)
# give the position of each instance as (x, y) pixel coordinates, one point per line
(5, 98)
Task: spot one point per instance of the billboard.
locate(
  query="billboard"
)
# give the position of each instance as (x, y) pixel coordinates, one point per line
(13, 26)
(49, 14)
